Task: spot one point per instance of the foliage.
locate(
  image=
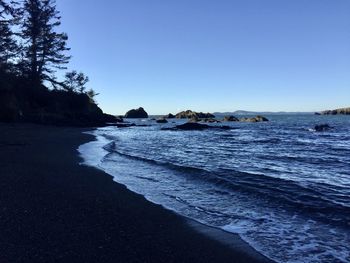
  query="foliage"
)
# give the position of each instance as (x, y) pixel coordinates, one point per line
(92, 94)
(4, 8)
(44, 47)
(75, 82)
(31, 53)
(8, 45)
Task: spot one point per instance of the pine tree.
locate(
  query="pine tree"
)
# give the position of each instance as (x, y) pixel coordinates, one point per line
(45, 49)
(8, 45)
(4, 8)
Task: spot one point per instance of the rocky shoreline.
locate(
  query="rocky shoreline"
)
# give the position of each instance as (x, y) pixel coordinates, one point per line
(340, 111)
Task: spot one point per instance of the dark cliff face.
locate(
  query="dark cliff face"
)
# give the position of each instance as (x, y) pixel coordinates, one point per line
(139, 113)
(341, 111)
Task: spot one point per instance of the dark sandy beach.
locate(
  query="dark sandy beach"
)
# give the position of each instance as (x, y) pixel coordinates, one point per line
(54, 210)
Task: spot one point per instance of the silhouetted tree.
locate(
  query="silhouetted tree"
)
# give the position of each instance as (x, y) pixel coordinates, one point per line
(75, 82)
(92, 94)
(31, 51)
(8, 45)
(4, 8)
(44, 47)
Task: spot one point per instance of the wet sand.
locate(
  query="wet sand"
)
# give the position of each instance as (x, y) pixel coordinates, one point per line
(54, 210)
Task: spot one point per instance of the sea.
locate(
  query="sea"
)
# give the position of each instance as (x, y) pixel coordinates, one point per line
(280, 185)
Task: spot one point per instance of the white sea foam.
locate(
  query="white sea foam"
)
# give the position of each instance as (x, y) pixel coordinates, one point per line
(272, 229)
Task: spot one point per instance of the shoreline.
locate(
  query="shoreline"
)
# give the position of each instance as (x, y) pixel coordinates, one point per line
(232, 240)
(53, 208)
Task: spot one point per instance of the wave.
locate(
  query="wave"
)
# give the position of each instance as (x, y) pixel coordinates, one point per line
(292, 218)
(303, 159)
(319, 201)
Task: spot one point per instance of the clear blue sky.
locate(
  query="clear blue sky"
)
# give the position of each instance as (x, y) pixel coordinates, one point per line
(212, 55)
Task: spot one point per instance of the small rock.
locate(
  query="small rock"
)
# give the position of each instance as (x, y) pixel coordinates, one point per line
(162, 120)
(322, 127)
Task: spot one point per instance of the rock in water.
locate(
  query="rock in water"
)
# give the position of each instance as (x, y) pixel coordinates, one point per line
(192, 126)
(230, 118)
(162, 120)
(139, 113)
(322, 127)
(169, 116)
(261, 118)
(194, 115)
(210, 120)
(194, 119)
(254, 119)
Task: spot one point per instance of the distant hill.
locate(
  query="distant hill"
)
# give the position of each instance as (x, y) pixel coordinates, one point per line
(243, 112)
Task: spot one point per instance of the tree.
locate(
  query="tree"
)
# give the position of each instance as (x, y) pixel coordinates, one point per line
(45, 49)
(4, 8)
(75, 82)
(8, 45)
(92, 94)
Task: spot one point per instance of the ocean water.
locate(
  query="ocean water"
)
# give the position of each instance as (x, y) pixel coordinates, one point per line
(284, 188)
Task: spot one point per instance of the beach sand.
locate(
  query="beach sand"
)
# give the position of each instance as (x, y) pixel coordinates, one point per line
(54, 210)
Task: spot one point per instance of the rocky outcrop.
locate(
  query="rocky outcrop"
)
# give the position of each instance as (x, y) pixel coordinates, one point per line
(341, 111)
(194, 119)
(254, 119)
(169, 116)
(161, 120)
(258, 118)
(230, 118)
(322, 128)
(139, 113)
(193, 115)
